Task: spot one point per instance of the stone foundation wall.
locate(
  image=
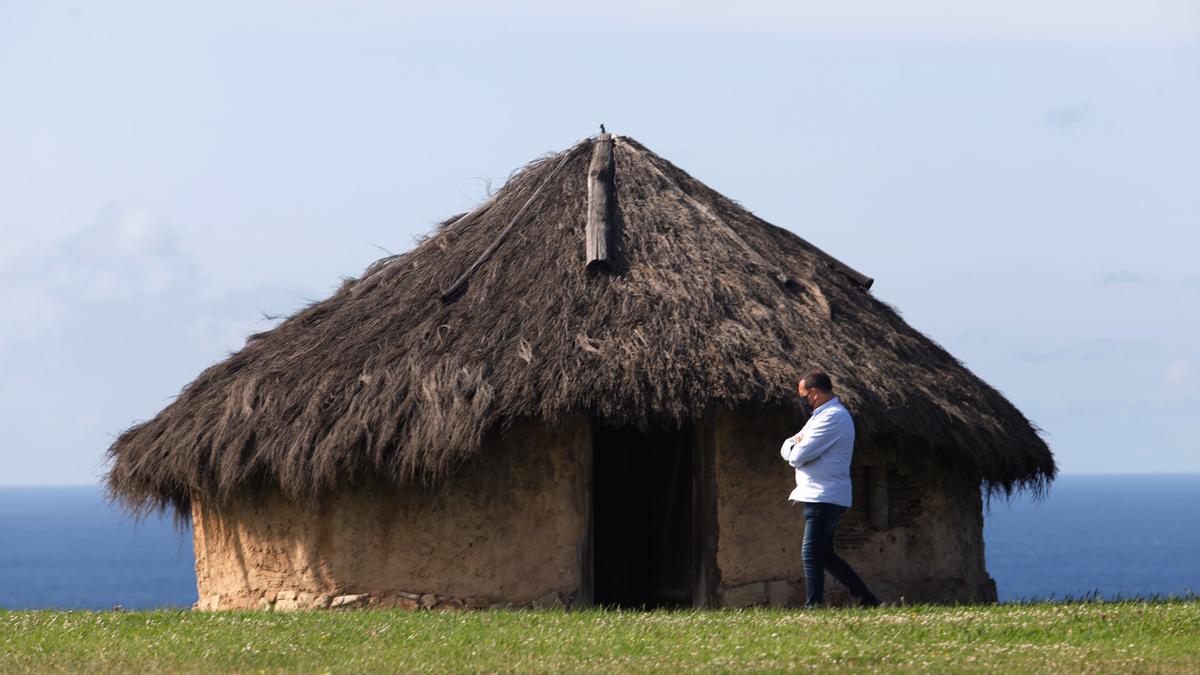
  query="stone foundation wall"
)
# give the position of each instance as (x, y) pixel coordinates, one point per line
(506, 530)
(931, 549)
(290, 601)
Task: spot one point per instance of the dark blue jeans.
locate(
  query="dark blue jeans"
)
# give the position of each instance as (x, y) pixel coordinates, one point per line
(820, 520)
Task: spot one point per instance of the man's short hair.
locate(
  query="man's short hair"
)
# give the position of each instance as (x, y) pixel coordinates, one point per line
(818, 379)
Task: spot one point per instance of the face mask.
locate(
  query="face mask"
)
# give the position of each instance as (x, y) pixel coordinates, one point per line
(805, 405)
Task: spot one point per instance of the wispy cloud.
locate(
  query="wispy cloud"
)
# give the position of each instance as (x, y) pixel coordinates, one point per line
(129, 255)
(125, 278)
(102, 327)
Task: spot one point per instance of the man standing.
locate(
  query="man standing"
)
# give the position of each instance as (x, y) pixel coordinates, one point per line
(821, 454)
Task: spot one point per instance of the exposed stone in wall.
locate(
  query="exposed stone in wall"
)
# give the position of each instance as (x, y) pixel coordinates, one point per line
(768, 593)
(291, 601)
(746, 595)
(349, 601)
(784, 593)
(551, 600)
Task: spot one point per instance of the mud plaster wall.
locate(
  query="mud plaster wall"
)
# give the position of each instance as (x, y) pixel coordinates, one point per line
(930, 551)
(508, 527)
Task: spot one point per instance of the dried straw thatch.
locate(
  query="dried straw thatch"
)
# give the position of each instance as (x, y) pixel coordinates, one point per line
(388, 379)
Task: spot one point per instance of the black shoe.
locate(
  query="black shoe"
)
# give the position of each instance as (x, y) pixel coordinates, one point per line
(869, 601)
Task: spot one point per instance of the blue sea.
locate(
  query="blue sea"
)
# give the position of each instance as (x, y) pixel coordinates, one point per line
(1094, 536)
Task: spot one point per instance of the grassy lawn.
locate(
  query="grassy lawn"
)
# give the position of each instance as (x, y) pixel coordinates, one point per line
(1161, 636)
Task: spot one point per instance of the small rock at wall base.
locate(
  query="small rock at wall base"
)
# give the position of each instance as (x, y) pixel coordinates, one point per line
(286, 605)
(285, 595)
(208, 604)
(429, 600)
(452, 603)
(389, 601)
(551, 600)
(746, 595)
(406, 603)
(349, 601)
(478, 602)
(782, 593)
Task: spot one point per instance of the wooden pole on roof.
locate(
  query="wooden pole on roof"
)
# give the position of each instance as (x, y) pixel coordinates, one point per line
(600, 202)
(461, 283)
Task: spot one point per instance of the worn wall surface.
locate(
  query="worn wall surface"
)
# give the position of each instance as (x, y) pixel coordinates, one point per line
(512, 527)
(508, 528)
(931, 549)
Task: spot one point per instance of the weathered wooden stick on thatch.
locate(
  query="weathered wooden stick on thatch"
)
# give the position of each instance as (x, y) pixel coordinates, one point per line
(780, 276)
(461, 282)
(600, 202)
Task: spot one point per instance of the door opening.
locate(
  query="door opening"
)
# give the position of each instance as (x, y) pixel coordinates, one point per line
(642, 511)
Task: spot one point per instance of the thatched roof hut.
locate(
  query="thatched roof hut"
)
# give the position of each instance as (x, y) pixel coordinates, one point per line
(600, 286)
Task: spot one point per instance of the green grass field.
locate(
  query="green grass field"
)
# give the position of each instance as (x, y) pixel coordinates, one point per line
(1161, 636)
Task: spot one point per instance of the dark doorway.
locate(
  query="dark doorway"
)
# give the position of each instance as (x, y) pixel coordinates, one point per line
(642, 518)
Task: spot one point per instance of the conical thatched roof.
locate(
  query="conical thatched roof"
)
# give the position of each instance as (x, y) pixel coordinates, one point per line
(703, 304)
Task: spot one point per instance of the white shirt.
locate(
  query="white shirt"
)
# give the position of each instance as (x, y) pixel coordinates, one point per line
(822, 456)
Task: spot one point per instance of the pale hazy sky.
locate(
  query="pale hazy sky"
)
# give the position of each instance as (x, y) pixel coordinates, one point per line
(1021, 178)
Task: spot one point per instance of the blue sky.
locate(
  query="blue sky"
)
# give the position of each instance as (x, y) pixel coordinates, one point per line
(1020, 178)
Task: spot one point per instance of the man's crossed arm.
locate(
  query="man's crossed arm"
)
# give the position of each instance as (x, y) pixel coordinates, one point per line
(817, 437)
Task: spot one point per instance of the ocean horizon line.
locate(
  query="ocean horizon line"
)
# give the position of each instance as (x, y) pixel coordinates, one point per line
(1073, 474)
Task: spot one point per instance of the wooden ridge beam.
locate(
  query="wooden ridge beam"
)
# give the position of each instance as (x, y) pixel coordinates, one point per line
(600, 211)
